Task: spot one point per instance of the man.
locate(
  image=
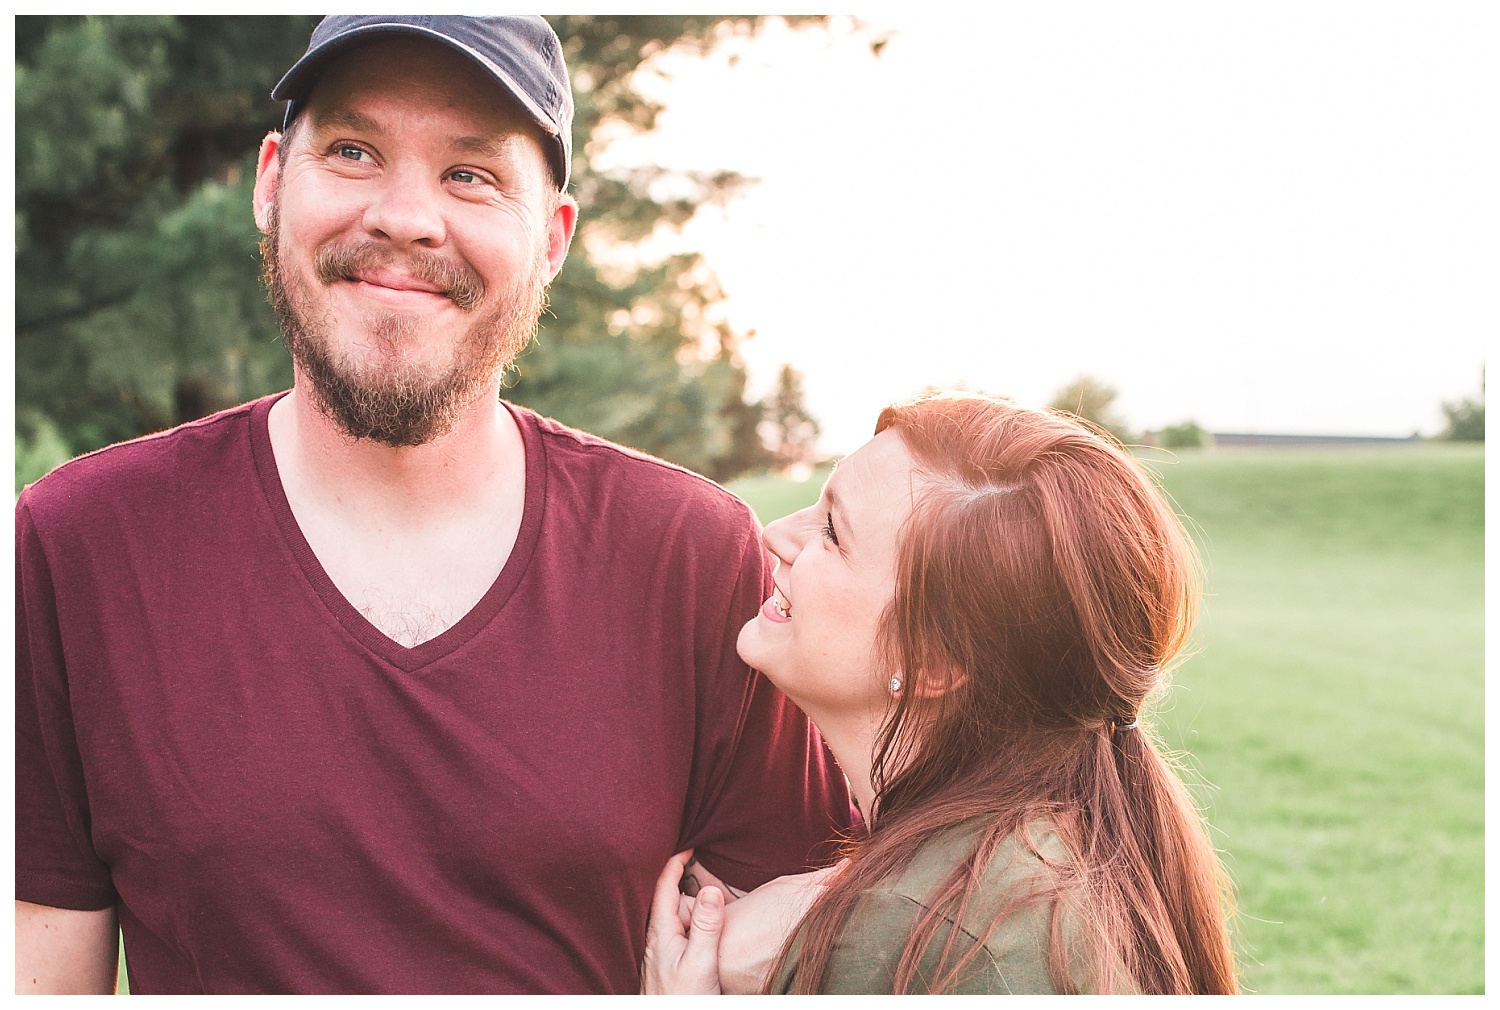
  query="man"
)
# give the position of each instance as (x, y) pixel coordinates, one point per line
(383, 684)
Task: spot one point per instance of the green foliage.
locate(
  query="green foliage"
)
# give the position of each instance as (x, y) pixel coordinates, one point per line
(634, 354)
(138, 303)
(1187, 435)
(1465, 420)
(1466, 417)
(38, 450)
(789, 430)
(1336, 706)
(137, 299)
(1091, 399)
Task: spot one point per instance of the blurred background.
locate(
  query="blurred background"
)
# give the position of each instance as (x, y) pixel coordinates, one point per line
(1254, 241)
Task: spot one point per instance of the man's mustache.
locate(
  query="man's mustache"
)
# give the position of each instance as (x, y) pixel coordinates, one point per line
(458, 281)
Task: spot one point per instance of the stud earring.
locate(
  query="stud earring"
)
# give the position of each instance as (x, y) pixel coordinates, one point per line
(895, 685)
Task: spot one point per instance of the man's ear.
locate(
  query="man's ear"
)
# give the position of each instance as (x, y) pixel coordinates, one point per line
(560, 233)
(267, 177)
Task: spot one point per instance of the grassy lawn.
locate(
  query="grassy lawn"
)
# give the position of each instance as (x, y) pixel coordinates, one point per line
(1335, 705)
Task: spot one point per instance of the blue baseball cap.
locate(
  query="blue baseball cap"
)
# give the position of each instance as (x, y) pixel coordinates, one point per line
(521, 52)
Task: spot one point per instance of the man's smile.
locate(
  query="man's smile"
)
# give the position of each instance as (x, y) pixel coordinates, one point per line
(397, 289)
(395, 280)
(411, 280)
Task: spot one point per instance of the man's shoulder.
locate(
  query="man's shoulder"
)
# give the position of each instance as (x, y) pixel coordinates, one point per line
(596, 466)
(150, 469)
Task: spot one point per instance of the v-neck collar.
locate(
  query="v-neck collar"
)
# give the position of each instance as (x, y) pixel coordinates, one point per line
(356, 624)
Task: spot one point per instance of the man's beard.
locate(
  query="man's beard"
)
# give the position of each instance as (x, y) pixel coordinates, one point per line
(401, 404)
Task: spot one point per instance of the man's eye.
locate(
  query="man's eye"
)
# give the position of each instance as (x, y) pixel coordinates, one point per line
(352, 153)
(463, 176)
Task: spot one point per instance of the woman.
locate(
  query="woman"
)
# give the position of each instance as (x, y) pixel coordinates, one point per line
(973, 614)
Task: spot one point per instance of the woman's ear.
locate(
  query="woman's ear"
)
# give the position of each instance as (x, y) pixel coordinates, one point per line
(935, 681)
(930, 683)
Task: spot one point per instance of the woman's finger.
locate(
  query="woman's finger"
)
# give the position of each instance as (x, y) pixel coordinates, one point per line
(698, 876)
(664, 899)
(700, 961)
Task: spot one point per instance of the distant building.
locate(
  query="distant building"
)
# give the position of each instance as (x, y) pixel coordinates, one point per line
(1250, 440)
(1241, 440)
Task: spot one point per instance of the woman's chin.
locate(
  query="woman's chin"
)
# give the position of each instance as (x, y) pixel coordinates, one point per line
(752, 649)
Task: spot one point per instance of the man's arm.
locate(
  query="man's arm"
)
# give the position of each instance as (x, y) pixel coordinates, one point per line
(58, 950)
(773, 801)
(61, 950)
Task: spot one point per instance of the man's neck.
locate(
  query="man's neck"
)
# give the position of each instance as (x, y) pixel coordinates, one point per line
(459, 470)
(412, 537)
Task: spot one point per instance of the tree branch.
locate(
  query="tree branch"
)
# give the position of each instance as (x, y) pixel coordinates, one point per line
(27, 327)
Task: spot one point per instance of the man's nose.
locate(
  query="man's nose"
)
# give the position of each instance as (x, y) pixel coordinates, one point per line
(406, 210)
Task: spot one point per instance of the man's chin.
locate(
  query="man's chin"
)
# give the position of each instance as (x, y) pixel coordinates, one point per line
(397, 419)
(377, 391)
(401, 379)
(396, 363)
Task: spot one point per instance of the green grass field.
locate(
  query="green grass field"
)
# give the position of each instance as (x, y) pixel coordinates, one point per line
(1334, 711)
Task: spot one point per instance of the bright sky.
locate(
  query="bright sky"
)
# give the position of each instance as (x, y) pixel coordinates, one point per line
(1263, 217)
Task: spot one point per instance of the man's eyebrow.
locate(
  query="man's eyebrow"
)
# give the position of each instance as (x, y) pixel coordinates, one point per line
(493, 147)
(350, 120)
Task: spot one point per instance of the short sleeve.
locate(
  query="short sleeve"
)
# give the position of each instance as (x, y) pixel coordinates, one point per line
(771, 800)
(55, 861)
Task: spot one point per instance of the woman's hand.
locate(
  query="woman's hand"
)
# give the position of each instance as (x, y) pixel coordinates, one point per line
(757, 926)
(682, 938)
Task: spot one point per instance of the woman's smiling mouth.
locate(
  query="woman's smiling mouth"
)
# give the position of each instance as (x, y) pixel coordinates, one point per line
(777, 609)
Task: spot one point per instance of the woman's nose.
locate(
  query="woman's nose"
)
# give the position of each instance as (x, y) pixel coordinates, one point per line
(780, 539)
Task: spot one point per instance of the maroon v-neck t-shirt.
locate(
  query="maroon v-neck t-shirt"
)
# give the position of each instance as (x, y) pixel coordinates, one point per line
(279, 798)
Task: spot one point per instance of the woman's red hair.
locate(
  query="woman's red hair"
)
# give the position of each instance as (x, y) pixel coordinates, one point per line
(1043, 589)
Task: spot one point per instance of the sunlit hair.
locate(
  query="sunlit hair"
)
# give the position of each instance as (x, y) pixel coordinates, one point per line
(1044, 587)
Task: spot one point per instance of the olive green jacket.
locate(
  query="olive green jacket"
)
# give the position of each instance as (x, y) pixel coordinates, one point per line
(1014, 955)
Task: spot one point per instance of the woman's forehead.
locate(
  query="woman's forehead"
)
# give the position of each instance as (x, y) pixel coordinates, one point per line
(875, 479)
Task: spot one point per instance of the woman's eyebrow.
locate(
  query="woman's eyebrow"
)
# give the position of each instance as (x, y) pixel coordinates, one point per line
(836, 507)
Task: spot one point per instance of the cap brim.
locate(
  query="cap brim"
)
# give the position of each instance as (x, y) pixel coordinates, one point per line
(295, 85)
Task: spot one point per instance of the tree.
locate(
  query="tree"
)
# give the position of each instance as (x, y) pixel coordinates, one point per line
(137, 298)
(1187, 435)
(789, 431)
(1091, 399)
(1465, 417)
(138, 303)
